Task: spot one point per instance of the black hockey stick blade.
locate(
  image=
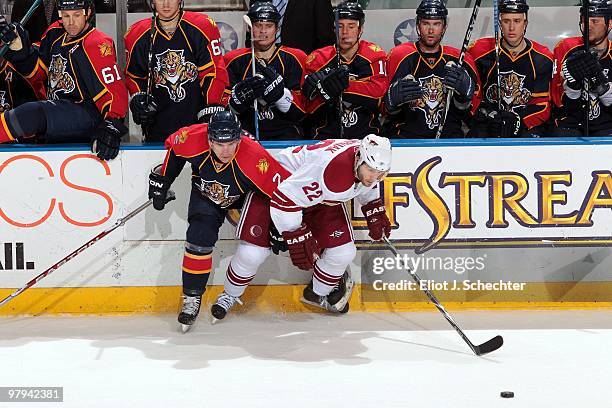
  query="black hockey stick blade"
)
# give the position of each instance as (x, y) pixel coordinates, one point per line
(489, 346)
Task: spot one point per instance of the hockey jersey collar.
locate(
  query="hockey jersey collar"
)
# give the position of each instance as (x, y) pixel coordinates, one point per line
(84, 33)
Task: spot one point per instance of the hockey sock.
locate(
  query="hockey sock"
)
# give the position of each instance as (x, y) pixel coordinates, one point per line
(196, 270)
(331, 266)
(243, 267)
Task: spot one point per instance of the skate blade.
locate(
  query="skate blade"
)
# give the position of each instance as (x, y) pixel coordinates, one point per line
(350, 285)
(213, 320)
(186, 327)
(327, 307)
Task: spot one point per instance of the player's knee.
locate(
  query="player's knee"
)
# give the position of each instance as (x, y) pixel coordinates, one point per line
(26, 121)
(248, 258)
(201, 232)
(341, 255)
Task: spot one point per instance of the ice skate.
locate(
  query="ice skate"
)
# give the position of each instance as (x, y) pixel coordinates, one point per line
(189, 311)
(336, 301)
(223, 304)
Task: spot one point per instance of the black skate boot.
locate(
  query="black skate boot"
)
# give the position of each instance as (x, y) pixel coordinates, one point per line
(189, 311)
(336, 301)
(223, 304)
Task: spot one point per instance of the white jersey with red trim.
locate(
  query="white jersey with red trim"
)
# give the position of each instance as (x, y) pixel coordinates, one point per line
(323, 173)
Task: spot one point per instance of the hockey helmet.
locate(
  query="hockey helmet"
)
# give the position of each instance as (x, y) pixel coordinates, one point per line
(432, 10)
(375, 151)
(224, 127)
(74, 4)
(264, 11)
(513, 6)
(596, 8)
(350, 10)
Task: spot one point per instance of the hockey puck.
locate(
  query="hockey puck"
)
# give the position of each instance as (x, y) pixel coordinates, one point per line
(507, 394)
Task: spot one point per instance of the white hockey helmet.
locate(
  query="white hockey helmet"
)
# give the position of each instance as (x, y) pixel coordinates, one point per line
(375, 151)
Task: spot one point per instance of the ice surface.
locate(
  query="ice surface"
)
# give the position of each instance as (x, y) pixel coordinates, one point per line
(378, 360)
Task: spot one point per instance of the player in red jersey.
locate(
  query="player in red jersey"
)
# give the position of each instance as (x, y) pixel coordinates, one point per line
(575, 67)
(343, 97)
(180, 59)
(87, 98)
(228, 169)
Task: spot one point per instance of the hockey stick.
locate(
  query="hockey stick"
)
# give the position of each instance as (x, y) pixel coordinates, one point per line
(497, 45)
(76, 252)
(23, 21)
(340, 108)
(466, 42)
(585, 40)
(484, 348)
(145, 129)
(248, 22)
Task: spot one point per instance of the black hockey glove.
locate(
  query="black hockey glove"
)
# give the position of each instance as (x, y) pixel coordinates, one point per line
(205, 114)
(505, 124)
(598, 82)
(19, 44)
(458, 79)
(277, 243)
(329, 83)
(402, 91)
(245, 92)
(107, 138)
(143, 108)
(159, 188)
(7, 30)
(578, 66)
(275, 87)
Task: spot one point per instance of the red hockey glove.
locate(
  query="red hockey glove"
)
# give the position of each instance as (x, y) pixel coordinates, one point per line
(303, 247)
(378, 222)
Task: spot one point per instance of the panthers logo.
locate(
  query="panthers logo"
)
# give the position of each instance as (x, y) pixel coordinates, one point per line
(513, 94)
(433, 101)
(59, 79)
(217, 193)
(172, 72)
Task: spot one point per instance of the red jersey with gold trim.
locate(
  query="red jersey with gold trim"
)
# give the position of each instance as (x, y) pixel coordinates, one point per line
(273, 124)
(362, 99)
(524, 79)
(570, 112)
(188, 69)
(82, 69)
(421, 118)
(15, 89)
(251, 169)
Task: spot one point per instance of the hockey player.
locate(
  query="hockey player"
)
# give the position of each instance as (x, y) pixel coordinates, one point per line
(357, 82)
(525, 71)
(87, 98)
(15, 89)
(227, 165)
(420, 76)
(280, 75)
(308, 208)
(180, 59)
(575, 66)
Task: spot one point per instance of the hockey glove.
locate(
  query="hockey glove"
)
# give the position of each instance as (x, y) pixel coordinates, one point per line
(598, 82)
(245, 92)
(143, 109)
(334, 84)
(159, 188)
(402, 91)
(275, 85)
(303, 247)
(505, 124)
(376, 217)
(277, 243)
(7, 30)
(458, 79)
(578, 66)
(311, 81)
(19, 43)
(107, 138)
(204, 115)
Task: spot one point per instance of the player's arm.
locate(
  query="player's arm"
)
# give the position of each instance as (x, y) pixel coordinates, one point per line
(263, 172)
(537, 111)
(290, 103)
(102, 77)
(375, 213)
(137, 68)
(212, 75)
(401, 90)
(369, 90)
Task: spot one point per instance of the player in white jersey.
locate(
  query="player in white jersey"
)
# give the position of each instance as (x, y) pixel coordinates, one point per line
(308, 209)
